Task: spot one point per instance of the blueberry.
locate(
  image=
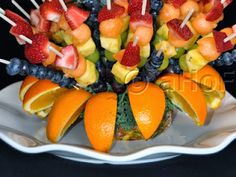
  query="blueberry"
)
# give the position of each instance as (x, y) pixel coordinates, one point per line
(117, 87)
(228, 59)
(219, 61)
(33, 69)
(234, 55)
(14, 67)
(25, 68)
(42, 72)
(71, 84)
(177, 69)
(99, 86)
(50, 74)
(156, 5)
(64, 81)
(96, 36)
(57, 77)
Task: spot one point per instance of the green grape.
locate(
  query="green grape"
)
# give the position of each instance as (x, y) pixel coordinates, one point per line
(195, 46)
(180, 52)
(94, 57)
(157, 39)
(109, 56)
(124, 36)
(182, 63)
(142, 62)
(165, 64)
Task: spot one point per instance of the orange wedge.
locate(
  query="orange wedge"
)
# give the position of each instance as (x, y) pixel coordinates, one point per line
(26, 84)
(100, 119)
(186, 95)
(41, 96)
(65, 112)
(148, 104)
(211, 84)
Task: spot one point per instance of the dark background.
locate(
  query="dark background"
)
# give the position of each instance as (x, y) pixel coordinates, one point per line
(17, 164)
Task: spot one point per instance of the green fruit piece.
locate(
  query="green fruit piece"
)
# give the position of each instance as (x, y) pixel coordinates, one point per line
(67, 38)
(123, 74)
(124, 36)
(182, 63)
(164, 64)
(163, 32)
(87, 48)
(195, 46)
(90, 76)
(145, 51)
(111, 44)
(129, 37)
(180, 52)
(93, 57)
(157, 39)
(109, 56)
(142, 62)
(58, 37)
(125, 23)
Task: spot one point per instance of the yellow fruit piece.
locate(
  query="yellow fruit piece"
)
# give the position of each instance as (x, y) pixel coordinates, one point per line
(111, 44)
(168, 50)
(148, 104)
(41, 96)
(99, 120)
(195, 61)
(65, 112)
(90, 76)
(26, 84)
(145, 51)
(125, 23)
(163, 31)
(186, 95)
(124, 74)
(87, 48)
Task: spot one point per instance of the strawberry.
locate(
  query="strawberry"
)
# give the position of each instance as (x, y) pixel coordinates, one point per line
(51, 10)
(76, 16)
(215, 12)
(105, 14)
(131, 56)
(22, 28)
(227, 2)
(70, 58)
(136, 6)
(38, 51)
(137, 19)
(42, 25)
(184, 33)
(13, 16)
(177, 3)
(222, 46)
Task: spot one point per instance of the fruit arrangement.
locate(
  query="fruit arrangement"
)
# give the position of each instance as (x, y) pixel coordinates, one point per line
(122, 66)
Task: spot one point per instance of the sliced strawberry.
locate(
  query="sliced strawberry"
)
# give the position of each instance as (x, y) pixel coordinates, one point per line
(14, 16)
(22, 28)
(105, 14)
(137, 19)
(222, 46)
(176, 3)
(70, 58)
(184, 33)
(42, 25)
(51, 10)
(76, 16)
(131, 56)
(34, 17)
(38, 51)
(215, 12)
(136, 6)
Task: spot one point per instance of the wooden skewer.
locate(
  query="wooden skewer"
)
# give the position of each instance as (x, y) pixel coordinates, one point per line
(35, 4)
(159, 52)
(230, 37)
(6, 62)
(144, 5)
(186, 19)
(20, 8)
(135, 41)
(108, 4)
(2, 11)
(8, 20)
(63, 4)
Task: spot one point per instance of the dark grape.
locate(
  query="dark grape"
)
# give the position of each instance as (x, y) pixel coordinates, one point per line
(174, 66)
(14, 67)
(99, 86)
(156, 5)
(117, 87)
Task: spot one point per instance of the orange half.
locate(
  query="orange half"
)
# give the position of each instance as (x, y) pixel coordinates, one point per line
(26, 84)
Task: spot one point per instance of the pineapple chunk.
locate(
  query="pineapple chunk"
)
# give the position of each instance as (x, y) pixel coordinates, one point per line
(90, 76)
(145, 51)
(87, 48)
(125, 23)
(163, 31)
(111, 44)
(167, 48)
(123, 74)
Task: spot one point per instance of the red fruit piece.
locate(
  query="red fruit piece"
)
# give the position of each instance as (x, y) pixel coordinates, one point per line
(13, 16)
(105, 14)
(222, 46)
(22, 28)
(51, 10)
(227, 2)
(131, 56)
(76, 16)
(137, 19)
(70, 58)
(215, 12)
(177, 3)
(38, 51)
(184, 33)
(42, 25)
(136, 6)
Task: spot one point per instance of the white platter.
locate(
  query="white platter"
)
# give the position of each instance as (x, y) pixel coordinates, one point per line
(27, 134)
